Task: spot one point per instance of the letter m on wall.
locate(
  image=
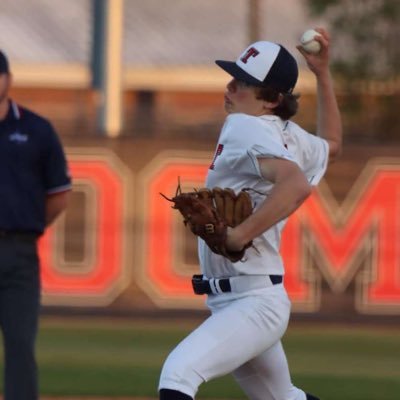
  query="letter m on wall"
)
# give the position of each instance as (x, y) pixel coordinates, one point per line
(359, 239)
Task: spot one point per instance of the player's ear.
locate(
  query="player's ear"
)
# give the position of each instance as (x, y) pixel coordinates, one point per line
(9, 81)
(269, 106)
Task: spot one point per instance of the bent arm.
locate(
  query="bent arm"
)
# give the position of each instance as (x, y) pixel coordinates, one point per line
(56, 203)
(329, 123)
(290, 190)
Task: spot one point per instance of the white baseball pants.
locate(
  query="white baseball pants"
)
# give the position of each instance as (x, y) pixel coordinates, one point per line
(242, 337)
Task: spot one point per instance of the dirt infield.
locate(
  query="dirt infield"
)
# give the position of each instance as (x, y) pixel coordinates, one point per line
(99, 398)
(95, 398)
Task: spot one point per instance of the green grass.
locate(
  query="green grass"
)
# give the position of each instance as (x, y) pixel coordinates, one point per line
(124, 357)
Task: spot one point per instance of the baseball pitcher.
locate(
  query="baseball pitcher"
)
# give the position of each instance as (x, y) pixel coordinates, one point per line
(263, 169)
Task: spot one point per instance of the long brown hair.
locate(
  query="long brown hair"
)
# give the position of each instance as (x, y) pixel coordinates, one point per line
(288, 102)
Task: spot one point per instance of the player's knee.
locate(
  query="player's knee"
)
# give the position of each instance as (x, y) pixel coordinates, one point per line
(180, 377)
(19, 343)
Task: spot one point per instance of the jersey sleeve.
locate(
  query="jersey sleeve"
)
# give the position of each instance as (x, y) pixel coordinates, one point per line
(56, 175)
(251, 141)
(312, 153)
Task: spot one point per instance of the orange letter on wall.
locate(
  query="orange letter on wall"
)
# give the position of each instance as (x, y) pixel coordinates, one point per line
(103, 275)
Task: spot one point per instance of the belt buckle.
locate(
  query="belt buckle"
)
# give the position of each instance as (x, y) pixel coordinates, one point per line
(200, 286)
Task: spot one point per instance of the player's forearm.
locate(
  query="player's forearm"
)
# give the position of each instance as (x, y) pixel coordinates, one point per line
(282, 201)
(329, 120)
(55, 205)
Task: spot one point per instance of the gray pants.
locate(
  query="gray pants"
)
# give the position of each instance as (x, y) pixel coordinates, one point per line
(19, 311)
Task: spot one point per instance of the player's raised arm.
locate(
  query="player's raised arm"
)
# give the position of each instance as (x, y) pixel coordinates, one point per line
(273, 160)
(329, 123)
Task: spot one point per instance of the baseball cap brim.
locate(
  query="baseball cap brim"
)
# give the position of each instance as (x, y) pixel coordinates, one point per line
(234, 70)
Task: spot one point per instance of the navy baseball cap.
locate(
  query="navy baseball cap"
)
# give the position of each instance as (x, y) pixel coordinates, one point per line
(264, 64)
(4, 66)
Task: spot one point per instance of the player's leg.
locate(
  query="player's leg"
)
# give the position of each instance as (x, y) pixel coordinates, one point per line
(311, 397)
(19, 320)
(226, 340)
(168, 394)
(267, 377)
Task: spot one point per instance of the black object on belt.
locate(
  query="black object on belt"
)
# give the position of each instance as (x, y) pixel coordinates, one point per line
(201, 286)
(19, 235)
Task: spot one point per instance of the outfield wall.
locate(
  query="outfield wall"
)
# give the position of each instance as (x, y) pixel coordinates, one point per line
(121, 248)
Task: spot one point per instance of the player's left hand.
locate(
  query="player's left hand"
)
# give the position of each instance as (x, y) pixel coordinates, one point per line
(211, 214)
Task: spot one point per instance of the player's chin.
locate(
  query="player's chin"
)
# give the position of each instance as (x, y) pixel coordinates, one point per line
(228, 107)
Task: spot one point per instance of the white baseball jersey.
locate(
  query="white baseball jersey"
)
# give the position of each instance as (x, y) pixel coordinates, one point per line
(242, 141)
(242, 335)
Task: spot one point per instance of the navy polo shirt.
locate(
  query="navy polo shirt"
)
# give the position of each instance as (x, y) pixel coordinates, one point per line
(32, 167)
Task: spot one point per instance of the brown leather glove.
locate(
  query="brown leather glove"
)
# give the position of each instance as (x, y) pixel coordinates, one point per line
(209, 213)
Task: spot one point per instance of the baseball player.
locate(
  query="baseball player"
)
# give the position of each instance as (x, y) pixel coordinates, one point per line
(259, 148)
(34, 191)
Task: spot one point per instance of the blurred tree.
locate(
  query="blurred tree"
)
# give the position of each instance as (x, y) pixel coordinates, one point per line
(254, 20)
(368, 36)
(366, 57)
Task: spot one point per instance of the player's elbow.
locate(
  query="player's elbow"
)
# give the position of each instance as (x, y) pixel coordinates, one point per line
(298, 187)
(302, 190)
(335, 149)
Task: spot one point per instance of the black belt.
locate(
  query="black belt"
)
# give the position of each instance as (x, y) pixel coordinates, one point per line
(201, 286)
(19, 235)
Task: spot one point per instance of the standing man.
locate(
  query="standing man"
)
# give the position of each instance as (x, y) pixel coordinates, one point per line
(34, 183)
(259, 148)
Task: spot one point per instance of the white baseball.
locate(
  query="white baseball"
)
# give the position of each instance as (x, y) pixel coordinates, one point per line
(308, 43)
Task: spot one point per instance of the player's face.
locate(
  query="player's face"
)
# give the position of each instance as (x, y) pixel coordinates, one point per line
(5, 81)
(240, 97)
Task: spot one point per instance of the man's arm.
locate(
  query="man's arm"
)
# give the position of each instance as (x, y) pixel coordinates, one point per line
(290, 190)
(55, 204)
(329, 124)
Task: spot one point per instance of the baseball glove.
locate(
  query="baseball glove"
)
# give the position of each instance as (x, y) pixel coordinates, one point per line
(209, 213)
